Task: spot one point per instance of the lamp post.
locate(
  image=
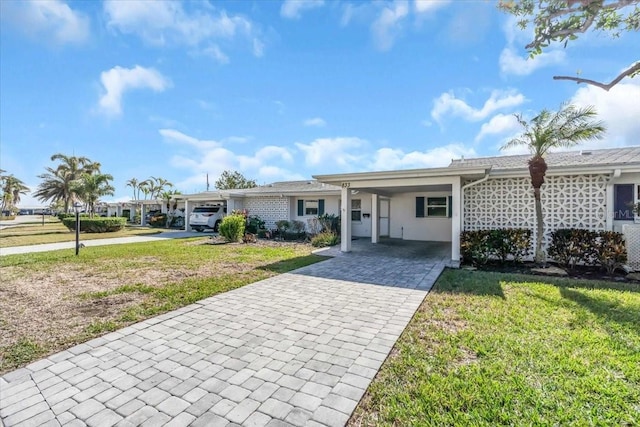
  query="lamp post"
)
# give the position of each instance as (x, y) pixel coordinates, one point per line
(76, 207)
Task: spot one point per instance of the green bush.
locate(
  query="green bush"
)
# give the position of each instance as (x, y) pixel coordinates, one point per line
(330, 222)
(255, 224)
(610, 250)
(158, 220)
(326, 238)
(96, 224)
(63, 216)
(479, 246)
(475, 247)
(571, 246)
(232, 227)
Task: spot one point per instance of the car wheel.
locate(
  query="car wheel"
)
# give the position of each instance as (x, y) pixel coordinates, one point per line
(198, 230)
(216, 227)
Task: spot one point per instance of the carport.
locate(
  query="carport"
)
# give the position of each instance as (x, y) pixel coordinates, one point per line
(410, 193)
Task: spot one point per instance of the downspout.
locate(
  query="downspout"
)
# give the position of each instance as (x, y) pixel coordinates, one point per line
(609, 198)
(462, 190)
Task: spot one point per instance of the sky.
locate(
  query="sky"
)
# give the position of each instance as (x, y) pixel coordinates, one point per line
(283, 90)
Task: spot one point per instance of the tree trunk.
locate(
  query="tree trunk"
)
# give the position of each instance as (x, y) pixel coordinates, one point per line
(537, 170)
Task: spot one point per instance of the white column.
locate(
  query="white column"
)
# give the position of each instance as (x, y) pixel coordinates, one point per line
(143, 213)
(609, 211)
(132, 212)
(375, 218)
(186, 215)
(345, 215)
(456, 215)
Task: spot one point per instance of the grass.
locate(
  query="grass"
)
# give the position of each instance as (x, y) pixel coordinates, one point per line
(490, 349)
(55, 232)
(135, 288)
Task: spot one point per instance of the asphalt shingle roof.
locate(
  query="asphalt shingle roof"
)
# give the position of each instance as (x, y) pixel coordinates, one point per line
(286, 187)
(603, 157)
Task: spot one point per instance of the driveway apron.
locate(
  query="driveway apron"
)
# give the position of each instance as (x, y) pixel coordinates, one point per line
(297, 349)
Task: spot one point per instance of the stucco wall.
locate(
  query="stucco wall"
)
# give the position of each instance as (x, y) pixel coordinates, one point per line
(405, 225)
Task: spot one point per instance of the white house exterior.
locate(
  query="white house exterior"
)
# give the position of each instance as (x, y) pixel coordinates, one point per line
(583, 189)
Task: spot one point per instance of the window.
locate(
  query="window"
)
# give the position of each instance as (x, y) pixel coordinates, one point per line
(433, 207)
(310, 207)
(356, 210)
(623, 202)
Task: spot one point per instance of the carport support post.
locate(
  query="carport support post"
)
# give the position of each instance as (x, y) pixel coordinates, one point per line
(186, 215)
(345, 218)
(375, 218)
(143, 213)
(456, 217)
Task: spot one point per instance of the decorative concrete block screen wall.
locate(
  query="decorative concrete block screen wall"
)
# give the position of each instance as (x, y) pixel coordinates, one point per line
(576, 201)
(269, 209)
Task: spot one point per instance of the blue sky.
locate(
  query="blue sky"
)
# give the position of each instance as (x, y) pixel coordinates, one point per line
(282, 89)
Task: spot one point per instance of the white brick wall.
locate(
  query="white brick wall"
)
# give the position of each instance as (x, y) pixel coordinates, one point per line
(269, 209)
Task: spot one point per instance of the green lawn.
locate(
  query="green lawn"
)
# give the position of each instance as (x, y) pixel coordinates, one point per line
(491, 349)
(50, 301)
(55, 232)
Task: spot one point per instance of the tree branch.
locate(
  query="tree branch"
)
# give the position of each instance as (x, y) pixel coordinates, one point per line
(631, 71)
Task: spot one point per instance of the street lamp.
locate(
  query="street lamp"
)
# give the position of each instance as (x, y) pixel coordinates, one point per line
(76, 207)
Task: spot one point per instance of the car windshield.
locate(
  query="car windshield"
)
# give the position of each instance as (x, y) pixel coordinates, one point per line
(206, 209)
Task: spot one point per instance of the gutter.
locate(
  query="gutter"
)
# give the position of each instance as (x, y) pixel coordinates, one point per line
(464, 187)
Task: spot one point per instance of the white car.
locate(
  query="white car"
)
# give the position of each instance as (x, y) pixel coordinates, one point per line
(207, 217)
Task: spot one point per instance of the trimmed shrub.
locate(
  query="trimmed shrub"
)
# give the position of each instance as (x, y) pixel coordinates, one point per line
(96, 224)
(475, 247)
(571, 246)
(479, 246)
(232, 227)
(610, 250)
(326, 238)
(7, 217)
(297, 227)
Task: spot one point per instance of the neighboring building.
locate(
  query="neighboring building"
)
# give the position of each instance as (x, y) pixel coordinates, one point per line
(592, 189)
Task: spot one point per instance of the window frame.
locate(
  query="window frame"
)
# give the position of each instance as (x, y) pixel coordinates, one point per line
(358, 210)
(426, 204)
(306, 208)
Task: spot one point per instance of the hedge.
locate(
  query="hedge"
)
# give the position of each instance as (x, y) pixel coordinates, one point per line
(96, 225)
(479, 246)
(572, 246)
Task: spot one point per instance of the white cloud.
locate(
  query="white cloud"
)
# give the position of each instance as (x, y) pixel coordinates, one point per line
(216, 53)
(163, 23)
(333, 151)
(512, 63)
(315, 121)
(425, 6)
(448, 103)
(388, 24)
(292, 9)
(498, 125)
(392, 158)
(211, 157)
(618, 108)
(52, 21)
(118, 80)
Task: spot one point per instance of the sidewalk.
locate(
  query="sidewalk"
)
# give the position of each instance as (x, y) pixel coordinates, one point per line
(98, 242)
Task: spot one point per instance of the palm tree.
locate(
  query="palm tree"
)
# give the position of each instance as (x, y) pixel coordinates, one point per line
(548, 130)
(12, 188)
(135, 185)
(91, 186)
(57, 182)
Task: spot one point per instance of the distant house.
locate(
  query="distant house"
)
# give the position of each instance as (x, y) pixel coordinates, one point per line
(592, 189)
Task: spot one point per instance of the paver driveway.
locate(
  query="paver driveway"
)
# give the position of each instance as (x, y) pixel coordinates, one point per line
(296, 349)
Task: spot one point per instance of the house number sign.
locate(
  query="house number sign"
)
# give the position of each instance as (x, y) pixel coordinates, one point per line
(346, 184)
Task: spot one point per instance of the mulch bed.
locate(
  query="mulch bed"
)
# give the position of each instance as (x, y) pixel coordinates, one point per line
(553, 270)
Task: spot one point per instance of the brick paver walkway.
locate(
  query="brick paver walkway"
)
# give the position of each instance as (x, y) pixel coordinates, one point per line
(296, 349)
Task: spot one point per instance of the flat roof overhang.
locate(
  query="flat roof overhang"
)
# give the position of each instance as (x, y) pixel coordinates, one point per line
(403, 181)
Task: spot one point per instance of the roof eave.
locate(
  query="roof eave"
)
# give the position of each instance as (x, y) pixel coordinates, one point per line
(400, 174)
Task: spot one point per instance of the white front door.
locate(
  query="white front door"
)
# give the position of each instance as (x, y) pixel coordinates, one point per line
(384, 217)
